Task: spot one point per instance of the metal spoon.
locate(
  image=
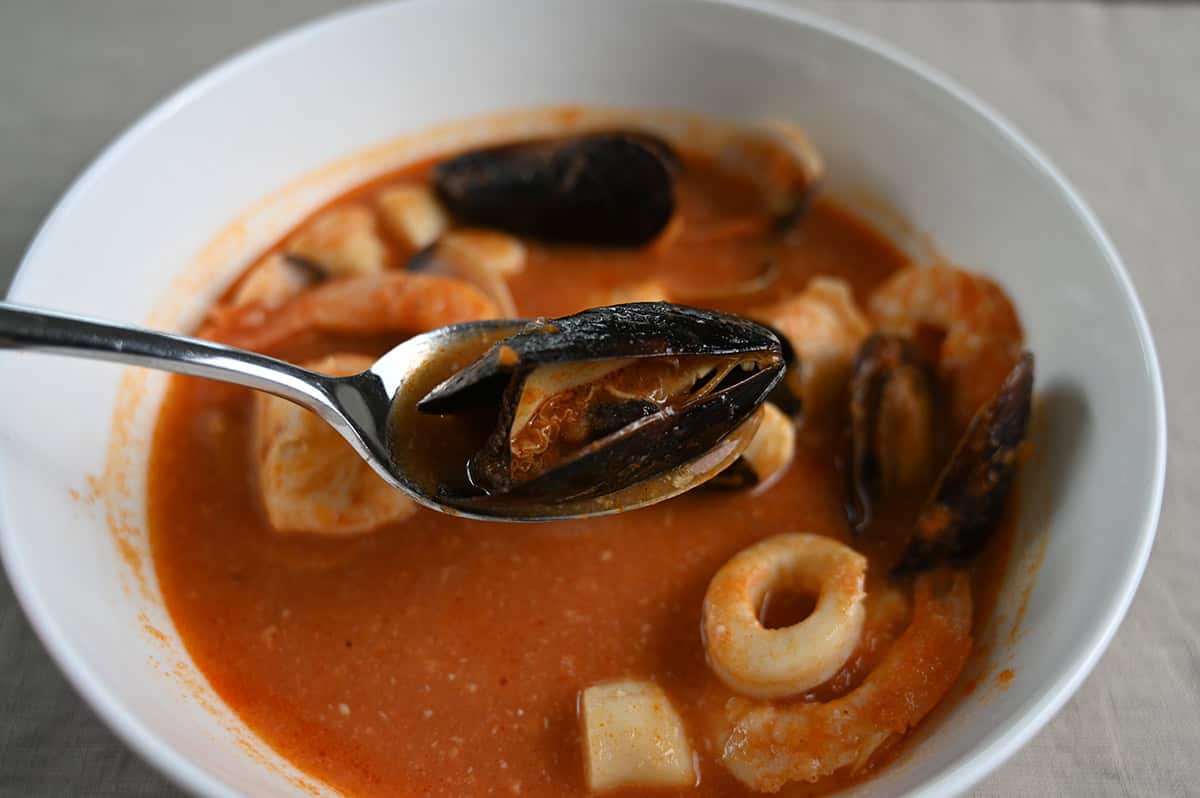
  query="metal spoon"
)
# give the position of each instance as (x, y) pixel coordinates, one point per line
(358, 406)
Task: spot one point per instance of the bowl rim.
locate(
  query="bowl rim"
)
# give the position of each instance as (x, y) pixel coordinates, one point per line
(962, 774)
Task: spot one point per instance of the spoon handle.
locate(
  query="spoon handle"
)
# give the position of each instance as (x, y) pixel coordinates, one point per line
(78, 336)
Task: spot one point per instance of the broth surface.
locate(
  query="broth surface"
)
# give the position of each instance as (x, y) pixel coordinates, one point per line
(441, 656)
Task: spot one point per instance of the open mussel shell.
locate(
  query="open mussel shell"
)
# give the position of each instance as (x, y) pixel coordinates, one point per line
(721, 368)
(651, 445)
(634, 330)
(893, 406)
(610, 188)
(969, 496)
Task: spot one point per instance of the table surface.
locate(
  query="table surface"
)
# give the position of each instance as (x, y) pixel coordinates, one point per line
(1109, 91)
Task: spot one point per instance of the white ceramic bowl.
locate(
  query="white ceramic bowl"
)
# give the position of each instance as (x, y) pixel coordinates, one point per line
(144, 235)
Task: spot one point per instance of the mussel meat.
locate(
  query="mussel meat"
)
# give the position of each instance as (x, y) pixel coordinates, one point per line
(893, 405)
(969, 495)
(593, 403)
(610, 188)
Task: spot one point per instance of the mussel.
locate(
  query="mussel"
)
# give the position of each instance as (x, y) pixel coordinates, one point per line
(895, 448)
(609, 188)
(969, 495)
(591, 404)
(893, 404)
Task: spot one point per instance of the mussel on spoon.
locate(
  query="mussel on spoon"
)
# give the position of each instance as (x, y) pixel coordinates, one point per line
(622, 406)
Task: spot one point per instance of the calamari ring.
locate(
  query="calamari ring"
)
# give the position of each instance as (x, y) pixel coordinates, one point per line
(772, 663)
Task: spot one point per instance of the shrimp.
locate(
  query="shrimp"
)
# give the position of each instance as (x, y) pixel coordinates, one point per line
(981, 332)
(825, 327)
(773, 663)
(390, 302)
(771, 744)
(310, 479)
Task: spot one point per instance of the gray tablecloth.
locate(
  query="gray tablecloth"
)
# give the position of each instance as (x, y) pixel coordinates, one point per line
(1110, 91)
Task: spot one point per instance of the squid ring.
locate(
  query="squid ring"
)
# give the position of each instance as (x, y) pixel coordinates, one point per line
(772, 663)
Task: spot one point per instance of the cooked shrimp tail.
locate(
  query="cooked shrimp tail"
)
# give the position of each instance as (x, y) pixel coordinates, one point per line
(399, 302)
(980, 335)
(769, 745)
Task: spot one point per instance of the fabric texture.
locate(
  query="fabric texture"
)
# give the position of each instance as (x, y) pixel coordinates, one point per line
(1108, 91)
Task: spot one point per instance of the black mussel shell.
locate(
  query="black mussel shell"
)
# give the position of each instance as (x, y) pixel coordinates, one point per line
(642, 440)
(784, 397)
(637, 329)
(970, 494)
(612, 188)
(656, 144)
(884, 364)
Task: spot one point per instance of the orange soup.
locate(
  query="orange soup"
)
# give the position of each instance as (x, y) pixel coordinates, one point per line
(406, 652)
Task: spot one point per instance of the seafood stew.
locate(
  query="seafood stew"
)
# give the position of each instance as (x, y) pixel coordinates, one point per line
(781, 629)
